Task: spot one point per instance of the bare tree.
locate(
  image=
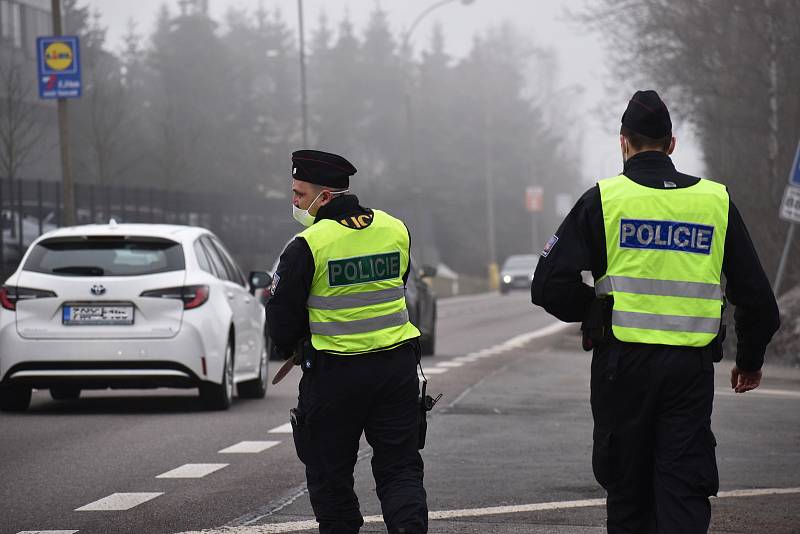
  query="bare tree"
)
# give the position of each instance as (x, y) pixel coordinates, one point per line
(21, 126)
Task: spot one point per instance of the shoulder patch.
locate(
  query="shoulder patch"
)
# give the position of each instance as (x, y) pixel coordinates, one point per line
(276, 279)
(549, 246)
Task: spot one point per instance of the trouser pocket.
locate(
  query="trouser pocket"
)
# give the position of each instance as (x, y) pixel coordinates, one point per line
(300, 433)
(707, 472)
(602, 458)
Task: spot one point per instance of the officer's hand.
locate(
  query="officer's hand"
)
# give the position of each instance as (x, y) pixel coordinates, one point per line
(742, 381)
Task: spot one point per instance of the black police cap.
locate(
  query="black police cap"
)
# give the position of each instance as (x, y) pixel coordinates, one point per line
(322, 168)
(647, 115)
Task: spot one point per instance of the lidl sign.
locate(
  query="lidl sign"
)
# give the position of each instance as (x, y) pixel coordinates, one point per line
(59, 62)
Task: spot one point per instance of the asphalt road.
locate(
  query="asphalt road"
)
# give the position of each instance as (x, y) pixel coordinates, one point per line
(513, 430)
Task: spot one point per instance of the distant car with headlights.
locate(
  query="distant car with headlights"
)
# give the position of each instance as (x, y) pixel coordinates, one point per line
(517, 272)
(131, 306)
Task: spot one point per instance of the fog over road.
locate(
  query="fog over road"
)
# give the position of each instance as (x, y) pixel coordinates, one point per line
(512, 430)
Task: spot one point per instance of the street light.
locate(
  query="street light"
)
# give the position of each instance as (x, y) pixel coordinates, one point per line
(303, 95)
(406, 47)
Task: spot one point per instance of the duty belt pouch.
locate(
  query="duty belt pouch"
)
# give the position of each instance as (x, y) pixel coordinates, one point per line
(596, 327)
(308, 355)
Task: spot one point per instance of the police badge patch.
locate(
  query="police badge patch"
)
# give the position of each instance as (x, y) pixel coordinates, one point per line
(549, 246)
(276, 278)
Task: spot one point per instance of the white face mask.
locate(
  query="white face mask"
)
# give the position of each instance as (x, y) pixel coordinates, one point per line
(303, 216)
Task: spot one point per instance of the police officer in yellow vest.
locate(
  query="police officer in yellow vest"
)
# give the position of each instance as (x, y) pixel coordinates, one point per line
(341, 284)
(657, 242)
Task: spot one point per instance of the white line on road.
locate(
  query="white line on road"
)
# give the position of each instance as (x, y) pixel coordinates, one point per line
(299, 526)
(283, 429)
(450, 364)
(192, 471)
(435, 370)
(249, 447)
(760, 392)
(48, 531)
(118, 501)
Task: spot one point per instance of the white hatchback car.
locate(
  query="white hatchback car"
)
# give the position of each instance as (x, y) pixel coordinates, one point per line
(131, 306)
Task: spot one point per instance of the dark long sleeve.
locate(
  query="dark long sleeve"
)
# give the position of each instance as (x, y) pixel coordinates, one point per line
(756, 314)
(557, 283)
(287, 315)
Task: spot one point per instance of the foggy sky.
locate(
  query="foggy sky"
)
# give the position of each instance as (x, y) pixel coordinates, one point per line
(583, 60)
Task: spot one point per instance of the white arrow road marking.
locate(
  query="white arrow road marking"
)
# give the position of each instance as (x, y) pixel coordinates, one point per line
(192, 471)
(118, 501)
(283, 429)
(249, 447)
(300, 526)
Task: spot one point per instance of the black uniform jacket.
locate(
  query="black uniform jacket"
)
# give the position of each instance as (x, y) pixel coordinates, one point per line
(581, 246)
(287, 315)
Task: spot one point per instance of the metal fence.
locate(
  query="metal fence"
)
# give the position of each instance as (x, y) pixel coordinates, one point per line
(252, 227)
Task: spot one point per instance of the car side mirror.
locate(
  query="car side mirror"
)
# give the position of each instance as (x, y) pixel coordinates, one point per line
(427, 271)
(259, 280)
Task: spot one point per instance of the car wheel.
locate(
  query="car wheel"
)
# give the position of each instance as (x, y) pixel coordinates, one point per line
(256, 389)
(15, 399)
(65, 393)
(273, 354)
(220, 396)
(428, 344)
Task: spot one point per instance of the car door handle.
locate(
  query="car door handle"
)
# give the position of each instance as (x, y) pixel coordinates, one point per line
(247, 300)
(230, 295)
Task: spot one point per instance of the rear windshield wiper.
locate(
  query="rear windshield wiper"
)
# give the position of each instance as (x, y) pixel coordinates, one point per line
(80, 270)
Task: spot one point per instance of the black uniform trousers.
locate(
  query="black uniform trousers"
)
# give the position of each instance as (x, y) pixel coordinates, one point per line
(653, 446)
(341, 397)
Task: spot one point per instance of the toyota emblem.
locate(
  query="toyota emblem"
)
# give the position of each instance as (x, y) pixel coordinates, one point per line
(98, 290)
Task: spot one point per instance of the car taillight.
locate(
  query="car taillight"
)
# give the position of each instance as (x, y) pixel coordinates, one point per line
(11, 295)
(192, 296)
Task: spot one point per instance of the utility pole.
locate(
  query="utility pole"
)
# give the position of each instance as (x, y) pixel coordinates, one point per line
(303, 95)
(63, 135)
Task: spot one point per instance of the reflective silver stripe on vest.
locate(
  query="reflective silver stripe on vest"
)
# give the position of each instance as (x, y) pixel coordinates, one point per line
(672, 323)
(356, 300)
(341, 328)
(665, 288)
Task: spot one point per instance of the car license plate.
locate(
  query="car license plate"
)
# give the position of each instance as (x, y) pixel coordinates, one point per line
(98, 314)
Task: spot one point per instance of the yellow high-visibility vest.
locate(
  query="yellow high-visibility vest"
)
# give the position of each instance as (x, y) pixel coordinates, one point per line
(357, 299)
(665, 250)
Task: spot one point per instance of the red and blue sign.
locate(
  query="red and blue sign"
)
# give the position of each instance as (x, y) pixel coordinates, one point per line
(59, 62)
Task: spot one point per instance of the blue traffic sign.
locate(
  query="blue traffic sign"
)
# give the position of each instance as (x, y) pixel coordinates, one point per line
(794, 176)
(59, 61)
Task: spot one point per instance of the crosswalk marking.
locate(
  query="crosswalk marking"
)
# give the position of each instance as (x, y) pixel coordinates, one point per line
(283, 429)
(249, 447)
(450, 364)
(118, 501)
(192, 471)
(47, 531)
(435, 371)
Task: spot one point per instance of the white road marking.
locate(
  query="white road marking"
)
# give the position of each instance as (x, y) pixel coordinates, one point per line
(118, 501)
(450, 364)
(249, 447)
(435, 370)
(47, 531)
(760, 392)
(283, 429)
(299, 526)
(192, 471)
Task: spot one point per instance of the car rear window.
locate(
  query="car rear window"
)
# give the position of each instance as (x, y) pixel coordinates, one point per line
(105, 256)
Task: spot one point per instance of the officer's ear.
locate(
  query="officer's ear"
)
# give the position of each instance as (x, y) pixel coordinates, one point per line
(671, 148)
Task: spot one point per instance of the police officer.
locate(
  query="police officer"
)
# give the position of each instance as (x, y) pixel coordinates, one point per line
(657, 242)
(341, 284)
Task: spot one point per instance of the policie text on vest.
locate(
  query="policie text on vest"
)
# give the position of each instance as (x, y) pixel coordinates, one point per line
(666, 235)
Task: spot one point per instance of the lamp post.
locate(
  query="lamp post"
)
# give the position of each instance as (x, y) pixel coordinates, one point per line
(406, 47)
(303, 94)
